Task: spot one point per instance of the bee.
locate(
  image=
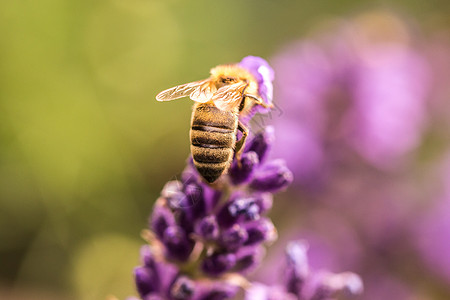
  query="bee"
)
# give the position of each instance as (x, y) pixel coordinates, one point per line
(220, 101)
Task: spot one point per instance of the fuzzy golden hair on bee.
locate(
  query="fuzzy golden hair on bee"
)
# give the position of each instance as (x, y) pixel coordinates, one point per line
(231, 71)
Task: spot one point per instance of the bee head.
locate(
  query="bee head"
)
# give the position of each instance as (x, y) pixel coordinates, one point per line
(230, 74)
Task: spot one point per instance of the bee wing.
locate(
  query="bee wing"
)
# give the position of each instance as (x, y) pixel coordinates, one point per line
(197, 88)
(204, 92)
(229, 96)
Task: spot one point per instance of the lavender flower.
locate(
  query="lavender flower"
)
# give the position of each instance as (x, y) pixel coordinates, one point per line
(354, 92)
(203, 240)
(302, 283)
(356, 133)
(264, 75)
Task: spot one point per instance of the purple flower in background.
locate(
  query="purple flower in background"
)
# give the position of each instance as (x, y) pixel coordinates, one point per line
(354, 92)
(431, 231)
(390, 88)
(300, 282)
(365, 113)
(203, 240)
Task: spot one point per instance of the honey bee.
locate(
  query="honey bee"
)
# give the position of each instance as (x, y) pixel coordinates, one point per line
(220, 100)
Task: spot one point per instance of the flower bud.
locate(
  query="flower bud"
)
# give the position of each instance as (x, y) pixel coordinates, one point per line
(248, 258)
(260, 231)
(261, 143)
(177, 245)
(161, 218)
(218, 263)
(272, 177)
(182, 289)
(208, 228)
(234, 237)
(146, 281)
(242, 174)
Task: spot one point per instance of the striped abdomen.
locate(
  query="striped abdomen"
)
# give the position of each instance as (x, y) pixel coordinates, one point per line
(213, 136)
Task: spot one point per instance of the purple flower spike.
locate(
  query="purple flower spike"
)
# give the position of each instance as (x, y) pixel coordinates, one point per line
(272, 177)
(205, 238)
(223, 228)
(302, 283)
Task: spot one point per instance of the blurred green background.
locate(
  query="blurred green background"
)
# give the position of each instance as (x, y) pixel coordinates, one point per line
(84, 146)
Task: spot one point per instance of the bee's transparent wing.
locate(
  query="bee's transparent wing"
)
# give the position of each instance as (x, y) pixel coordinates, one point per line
(204, 92)
(229, 96)
(197, 90)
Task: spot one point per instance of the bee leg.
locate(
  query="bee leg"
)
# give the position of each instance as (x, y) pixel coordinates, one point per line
(258, 101)
(240, 144)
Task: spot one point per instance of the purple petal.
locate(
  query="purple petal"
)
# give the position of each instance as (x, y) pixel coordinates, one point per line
(146, 281)
(177, 245)
(248, 258)
(190, 174)
(195, 202)
(263, 74)
(153, 296)
(272, 177)
(326, 285)
(259, 291)
(246, 207)
(240, 175)
(216, 264)
(147, 257)
(297, 269)
(173, 192)
(211, 197)
(161, 218)
(208, 228)
(217, 291)
(172, 189)
(239, 207)
(264, 202)
(182, 289)
(260, 231)
(234, 237)
(261, 143)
